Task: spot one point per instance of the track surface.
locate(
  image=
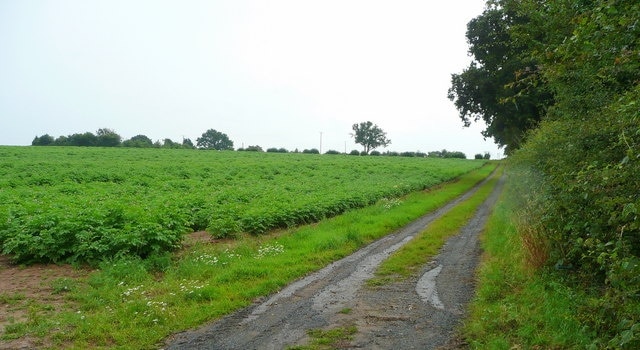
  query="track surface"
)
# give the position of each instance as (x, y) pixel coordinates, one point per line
(419, 313)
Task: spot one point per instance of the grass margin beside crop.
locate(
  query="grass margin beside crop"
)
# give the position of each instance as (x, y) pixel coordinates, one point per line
(136, 304)
(417, 252)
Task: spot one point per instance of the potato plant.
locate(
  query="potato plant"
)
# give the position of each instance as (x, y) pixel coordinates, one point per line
(87, 204)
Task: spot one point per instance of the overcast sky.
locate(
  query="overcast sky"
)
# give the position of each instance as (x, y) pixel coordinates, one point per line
(270, 73)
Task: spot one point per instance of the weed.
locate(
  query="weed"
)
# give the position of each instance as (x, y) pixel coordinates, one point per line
(63, 285)
(328, 339)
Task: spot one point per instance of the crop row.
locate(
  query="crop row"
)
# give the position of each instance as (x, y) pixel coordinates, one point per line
(88, 204)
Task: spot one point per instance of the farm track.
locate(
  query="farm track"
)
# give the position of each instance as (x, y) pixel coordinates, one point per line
(418, 313)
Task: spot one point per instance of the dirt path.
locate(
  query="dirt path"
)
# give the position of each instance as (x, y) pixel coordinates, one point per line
(419, 313)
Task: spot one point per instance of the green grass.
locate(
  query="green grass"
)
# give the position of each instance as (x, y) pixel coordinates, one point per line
(517, 307)
(413, 255)
(334, 338)
(134, 304)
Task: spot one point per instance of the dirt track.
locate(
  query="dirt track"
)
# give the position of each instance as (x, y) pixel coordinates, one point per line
(419, 313)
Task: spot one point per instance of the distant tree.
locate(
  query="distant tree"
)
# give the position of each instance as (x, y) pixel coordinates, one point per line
(447, 154)
(186, 143)
(61, 141)
(479, 156)
(354, 152)
(487, 155)
(370, 136)
(311, 151)
(168, 143)
(139, 141)
(87, 139)
(277, 150)
(107, 138)
(255, 148)
(435, 154)
(331, 151)
(212, 139)
(456, 154)
(44, 140)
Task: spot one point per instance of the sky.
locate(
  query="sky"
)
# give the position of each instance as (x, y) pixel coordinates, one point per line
(294, 74)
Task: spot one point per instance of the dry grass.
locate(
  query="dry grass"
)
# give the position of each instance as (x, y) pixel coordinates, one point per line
(535, 244)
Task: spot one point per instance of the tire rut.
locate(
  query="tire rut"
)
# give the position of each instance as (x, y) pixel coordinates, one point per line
(316, 300)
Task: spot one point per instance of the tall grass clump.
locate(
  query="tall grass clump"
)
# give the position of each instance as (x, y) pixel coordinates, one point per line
(518, 305)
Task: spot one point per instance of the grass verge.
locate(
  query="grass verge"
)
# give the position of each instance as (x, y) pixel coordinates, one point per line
(517, 307)
(413, 255)
(135, 304)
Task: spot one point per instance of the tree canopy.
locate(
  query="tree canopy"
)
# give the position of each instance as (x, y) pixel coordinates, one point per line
(370, 136)
(558, 83)
(502, 84)
(213, 139)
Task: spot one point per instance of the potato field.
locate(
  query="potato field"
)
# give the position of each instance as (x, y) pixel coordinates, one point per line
(71, 204)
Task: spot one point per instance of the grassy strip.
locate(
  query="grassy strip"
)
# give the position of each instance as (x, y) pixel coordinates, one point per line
(336, 338)
(135, 304)
(515, 306)
(413, 255)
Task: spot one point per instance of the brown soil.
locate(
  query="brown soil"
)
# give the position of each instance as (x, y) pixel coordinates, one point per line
(25, 287)
(41, 286)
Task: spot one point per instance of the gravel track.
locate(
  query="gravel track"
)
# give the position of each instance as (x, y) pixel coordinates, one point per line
(418, 313)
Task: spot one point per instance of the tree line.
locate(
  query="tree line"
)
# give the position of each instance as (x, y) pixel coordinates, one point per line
(367, 134)
(107, 138)
(558, 85)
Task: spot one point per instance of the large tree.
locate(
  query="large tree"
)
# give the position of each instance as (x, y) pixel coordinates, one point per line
(370, 136)
(212, 139)
(44, 140)
(107, 138)
(502, 86)
(140, 141)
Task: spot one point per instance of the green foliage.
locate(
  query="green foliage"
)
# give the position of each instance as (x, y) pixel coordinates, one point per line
(83, 205)
(370, 136)
(107, 138)
(514, 306)
(579, 167)
(44, 140)
(413, 255)
(447, 154)
(138, 141)
(127, 304)
(213, 139)
(502, 86)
